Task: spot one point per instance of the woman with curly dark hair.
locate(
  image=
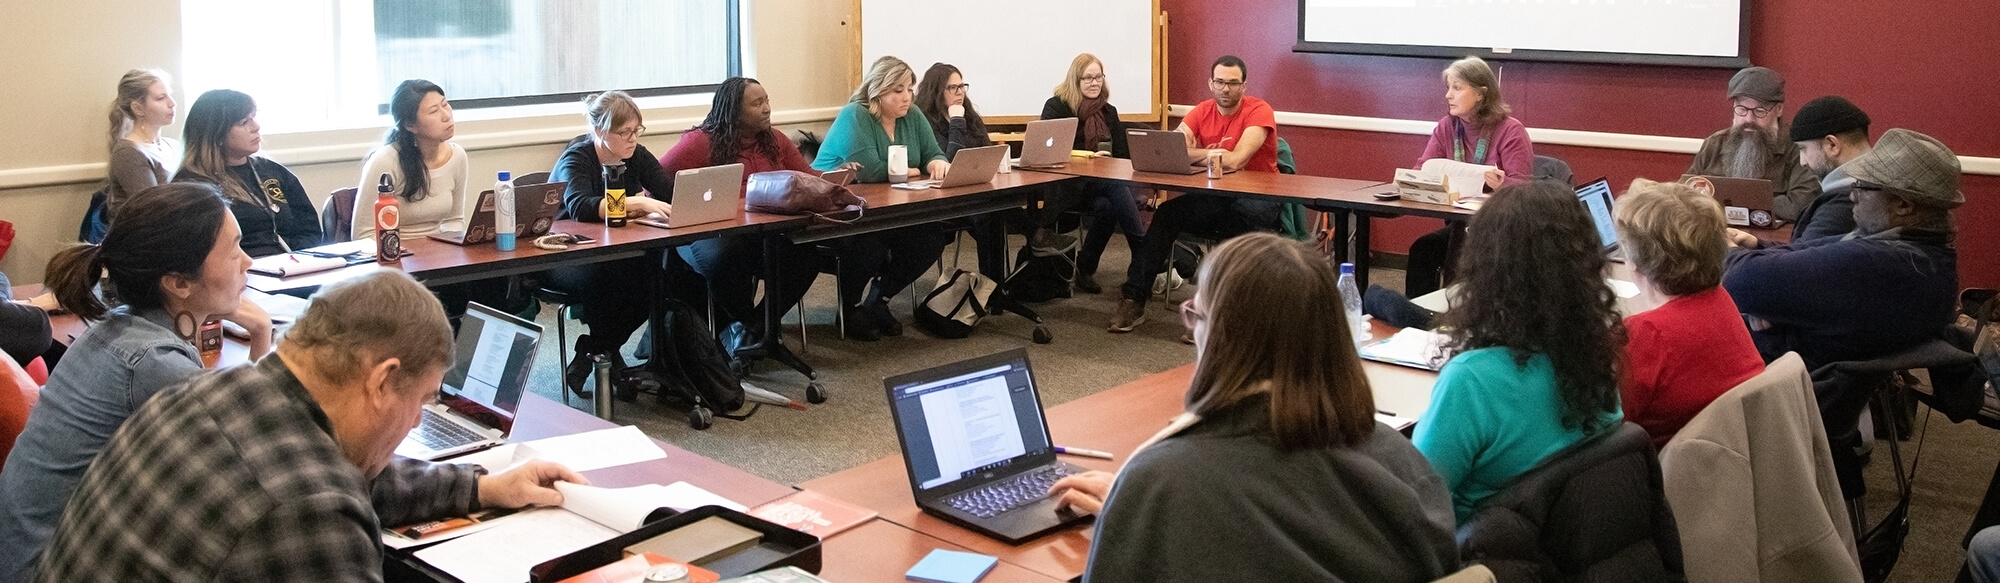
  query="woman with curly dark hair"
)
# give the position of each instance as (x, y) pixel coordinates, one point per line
(1535, 336)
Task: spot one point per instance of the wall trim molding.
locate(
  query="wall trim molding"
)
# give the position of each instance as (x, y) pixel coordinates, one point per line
(1580, 138)
(349, 151)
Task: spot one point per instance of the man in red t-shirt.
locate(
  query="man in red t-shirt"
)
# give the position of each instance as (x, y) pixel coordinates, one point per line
(1245, 131)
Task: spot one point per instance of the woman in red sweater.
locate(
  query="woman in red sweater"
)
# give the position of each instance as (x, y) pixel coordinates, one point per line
(1693, 348)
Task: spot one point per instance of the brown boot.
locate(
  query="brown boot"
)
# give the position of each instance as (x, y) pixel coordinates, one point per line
(1130, 315)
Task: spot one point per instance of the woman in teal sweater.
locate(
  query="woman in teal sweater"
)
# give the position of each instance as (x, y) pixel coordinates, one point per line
(877, 118)
(1536, 338)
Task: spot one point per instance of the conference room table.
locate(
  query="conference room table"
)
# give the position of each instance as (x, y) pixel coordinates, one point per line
(1116, 420)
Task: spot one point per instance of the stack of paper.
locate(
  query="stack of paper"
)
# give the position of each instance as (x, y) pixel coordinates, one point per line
(1443, 181)
(506, 548)
(1409, 347)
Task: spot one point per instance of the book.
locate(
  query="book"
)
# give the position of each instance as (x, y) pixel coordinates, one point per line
(633, 570)
(813, 513)
(943, 566)
(505, 549)
(707, 539)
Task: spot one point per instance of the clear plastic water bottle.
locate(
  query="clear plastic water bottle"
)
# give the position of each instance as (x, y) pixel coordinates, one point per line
(1350, 298)
(503, 212)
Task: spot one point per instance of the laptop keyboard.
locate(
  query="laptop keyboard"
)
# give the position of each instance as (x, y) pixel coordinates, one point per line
(992, 499)
(440, 432)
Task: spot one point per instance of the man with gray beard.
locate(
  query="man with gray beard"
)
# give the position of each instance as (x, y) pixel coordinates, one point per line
(1756, 144)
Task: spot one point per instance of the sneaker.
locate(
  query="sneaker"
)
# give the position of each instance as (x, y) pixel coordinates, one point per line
(1130, 315)
(1047, 243)
(1088, 284)
(1169, 281)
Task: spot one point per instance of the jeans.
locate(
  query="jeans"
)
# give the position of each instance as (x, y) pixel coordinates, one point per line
(1111, 207)
(731, 266)
(1982, 555)
(612, 297)
(1208, 215)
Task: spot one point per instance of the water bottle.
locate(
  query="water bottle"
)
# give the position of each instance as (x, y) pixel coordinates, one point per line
(388, 241)
(1350, 298)
(503, 212)
(600, 366)
(614, 195)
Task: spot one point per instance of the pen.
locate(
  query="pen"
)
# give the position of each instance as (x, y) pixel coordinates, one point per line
(1078, 451)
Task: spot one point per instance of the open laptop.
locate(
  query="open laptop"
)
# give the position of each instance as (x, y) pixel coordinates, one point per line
(1596, 197)
(1048, 142)
(968, 167)
(476, 405)
(707, 195)
(535, 209)
(1745, 201)
(977, 447)
(1162, 151)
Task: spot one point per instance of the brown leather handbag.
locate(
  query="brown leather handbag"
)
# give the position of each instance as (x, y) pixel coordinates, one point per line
(790, 192)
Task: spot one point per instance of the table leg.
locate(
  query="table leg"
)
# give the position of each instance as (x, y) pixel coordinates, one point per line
(772, 342)
(1341, 231)
(1362, 225)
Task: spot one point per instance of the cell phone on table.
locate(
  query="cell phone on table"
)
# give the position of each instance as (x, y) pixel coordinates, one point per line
(581, 239)
(839, 177)
(652, 223)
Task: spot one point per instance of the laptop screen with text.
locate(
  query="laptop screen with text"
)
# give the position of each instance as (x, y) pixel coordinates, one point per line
(1596, 196)
(970, 422)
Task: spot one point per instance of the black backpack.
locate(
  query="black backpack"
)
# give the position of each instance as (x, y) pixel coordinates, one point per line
(696, 364)
(1041, 275)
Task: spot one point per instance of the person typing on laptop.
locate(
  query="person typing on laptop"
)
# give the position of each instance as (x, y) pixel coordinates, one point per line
(282, 470)
(1279, 417)
(1756, 144)
(1244, 131)
(1830, 132)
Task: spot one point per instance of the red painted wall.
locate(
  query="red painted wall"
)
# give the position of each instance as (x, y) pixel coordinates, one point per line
(1933, 67)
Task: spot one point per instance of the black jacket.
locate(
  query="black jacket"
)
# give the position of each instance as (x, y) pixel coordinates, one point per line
(1596, 511)
(580, 167)
(272, 186)
(1055, 108)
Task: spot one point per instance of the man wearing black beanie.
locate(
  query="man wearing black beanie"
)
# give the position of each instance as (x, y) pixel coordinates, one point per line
(1829, 131)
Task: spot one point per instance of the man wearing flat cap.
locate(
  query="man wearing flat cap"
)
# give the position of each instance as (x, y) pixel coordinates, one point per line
(1885, 287)
(1756, 145)
(1829, 131)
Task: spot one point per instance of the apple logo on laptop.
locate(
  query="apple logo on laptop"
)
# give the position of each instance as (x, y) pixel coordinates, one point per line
(707, 195)
(1049, 144)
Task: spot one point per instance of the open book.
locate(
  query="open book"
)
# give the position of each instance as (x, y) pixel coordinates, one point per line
(1443, 181)
(502, 550)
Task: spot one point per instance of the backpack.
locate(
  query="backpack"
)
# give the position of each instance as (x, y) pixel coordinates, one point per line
(1041, 275)
(96, 219)
(696, 362)
(961, 299)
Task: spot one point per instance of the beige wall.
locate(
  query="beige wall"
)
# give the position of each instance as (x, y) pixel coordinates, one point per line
(63, 60)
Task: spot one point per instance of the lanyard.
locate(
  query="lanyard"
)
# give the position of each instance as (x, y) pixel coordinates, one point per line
(1458, 144)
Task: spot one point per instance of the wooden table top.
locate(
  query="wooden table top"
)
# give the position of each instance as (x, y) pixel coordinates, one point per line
(1299, 188)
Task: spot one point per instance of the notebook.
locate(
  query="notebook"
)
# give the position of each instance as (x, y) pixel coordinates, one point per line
(1047, 144)
(977, 449)
(1596, 197)
(942, 566)
(476, 405)
(535, 209)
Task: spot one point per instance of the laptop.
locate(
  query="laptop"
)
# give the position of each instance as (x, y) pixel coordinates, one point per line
(1048, 142)
(970, 166)
(1747, 202)
(1596, 197)
(475, 408)
(535, 209)
(1161, 151)
(977, 448)
(707, 195)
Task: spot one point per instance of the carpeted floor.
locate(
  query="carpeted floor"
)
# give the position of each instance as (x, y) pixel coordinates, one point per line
(790, 446)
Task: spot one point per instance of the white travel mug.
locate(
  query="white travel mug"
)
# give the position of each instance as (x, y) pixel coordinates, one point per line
(899, 163)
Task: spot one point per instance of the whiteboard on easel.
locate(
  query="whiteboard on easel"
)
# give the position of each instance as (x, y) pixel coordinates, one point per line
(1013, 53)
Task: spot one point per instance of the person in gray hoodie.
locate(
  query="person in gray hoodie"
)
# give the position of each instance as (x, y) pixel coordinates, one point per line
(1278, 470)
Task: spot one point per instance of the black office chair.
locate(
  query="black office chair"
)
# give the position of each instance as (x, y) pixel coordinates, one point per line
(1554, 169)
(336, 219)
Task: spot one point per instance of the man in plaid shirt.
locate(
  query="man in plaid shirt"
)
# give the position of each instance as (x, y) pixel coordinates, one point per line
(283, 471)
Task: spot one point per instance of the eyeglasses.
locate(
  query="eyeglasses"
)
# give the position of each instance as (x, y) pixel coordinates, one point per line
(1091, 78)
(957, 87)
(631, 134)
(1759, 112)
(1226, 83)
(1191, 314)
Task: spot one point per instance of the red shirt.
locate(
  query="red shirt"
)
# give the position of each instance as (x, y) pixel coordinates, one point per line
(692, 152)
(1214, 130)
(1681, 356)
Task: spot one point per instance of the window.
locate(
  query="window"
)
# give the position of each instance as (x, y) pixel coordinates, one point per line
(323, 64)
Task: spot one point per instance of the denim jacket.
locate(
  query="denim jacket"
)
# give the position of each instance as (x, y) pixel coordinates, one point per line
(114, 367)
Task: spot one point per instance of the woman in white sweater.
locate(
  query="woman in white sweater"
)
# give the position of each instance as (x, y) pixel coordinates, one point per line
(428, 171)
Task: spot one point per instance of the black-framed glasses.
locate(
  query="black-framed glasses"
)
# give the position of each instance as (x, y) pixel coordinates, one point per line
(1758, 112)
(1226, 83)
(1090, 78)
(956, 87)
(631, 134)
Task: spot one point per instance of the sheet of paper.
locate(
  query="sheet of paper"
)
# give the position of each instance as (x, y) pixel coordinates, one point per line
(592, 450)
(496, 459)
(1466, 180)
(503, 554)
(348, 248)
(1410, 346)
(622, 509)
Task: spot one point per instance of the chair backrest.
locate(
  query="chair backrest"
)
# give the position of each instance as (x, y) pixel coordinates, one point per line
(1552, 168)
(1844, 389)
(1293, 215)
(1596, 507)
(336, 219)
(18, 394)
(532, 178)
(1752, 485)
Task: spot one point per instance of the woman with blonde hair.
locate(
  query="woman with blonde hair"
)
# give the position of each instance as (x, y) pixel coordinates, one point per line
(1277, 471)
(877, 118)
(1479, 128)
(140, 156)
(1693, 347)
(1085, 94)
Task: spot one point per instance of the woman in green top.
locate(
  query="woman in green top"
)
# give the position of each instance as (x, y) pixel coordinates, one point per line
(877, 118)
(1536, 339)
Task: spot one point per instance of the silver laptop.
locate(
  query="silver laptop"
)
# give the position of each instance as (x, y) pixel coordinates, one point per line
(977, 447)
(970, 166)
(1048, 142)
(1161, 151)
(707, 195)
(475, 408)
(1596, 197)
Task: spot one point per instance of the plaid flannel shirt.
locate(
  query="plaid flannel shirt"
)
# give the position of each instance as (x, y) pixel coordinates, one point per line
(235, 476)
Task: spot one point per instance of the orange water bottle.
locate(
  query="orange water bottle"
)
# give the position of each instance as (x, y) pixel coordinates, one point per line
(388, 242)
